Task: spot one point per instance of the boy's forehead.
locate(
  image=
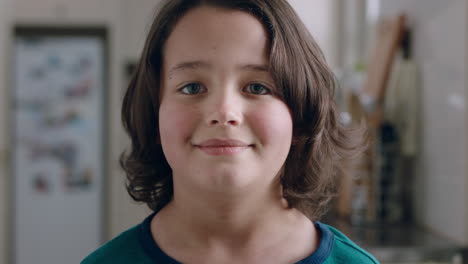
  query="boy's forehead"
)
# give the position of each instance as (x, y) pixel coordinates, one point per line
(210, 27)
(205, 35)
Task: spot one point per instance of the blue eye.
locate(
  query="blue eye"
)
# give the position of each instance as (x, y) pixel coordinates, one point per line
(256, 88)
(192, 88)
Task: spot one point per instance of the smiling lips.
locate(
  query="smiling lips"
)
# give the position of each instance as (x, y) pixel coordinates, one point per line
(219, 147)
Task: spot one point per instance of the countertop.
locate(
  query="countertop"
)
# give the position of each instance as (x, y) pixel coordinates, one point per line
(404, 243)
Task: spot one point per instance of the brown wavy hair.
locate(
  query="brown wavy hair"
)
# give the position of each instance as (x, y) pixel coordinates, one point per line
(306, 83)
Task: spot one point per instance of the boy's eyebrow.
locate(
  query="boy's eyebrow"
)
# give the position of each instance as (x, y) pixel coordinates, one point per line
(189, 65)
(203, 64)
(256, 67)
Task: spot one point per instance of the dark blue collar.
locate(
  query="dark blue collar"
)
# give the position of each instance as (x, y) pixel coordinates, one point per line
(158, 256)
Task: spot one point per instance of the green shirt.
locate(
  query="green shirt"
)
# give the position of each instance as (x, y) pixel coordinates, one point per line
(137, 246)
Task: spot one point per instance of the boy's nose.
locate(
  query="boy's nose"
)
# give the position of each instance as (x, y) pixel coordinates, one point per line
(225, 113)
(221, 118)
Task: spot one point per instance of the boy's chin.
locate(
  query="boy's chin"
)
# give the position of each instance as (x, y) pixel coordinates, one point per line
(231, 180)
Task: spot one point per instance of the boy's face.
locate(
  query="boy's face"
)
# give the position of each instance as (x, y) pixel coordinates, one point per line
(221, 129)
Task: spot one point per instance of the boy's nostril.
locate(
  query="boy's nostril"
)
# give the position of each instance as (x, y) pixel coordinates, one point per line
(229, 122)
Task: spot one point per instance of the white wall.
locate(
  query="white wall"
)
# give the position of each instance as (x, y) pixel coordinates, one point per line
(318, 16)
(353, 31)
(5, 9)
(138, 18)
(440, 41)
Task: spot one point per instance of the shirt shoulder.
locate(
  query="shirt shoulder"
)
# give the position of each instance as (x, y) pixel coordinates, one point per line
(346, 251)
(125, 248)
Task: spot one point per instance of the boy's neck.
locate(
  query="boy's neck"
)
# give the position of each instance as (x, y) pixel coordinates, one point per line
(243, 223)
(221, 219)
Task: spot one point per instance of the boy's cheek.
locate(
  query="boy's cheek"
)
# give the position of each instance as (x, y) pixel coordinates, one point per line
(176, 120)
(273, 125)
